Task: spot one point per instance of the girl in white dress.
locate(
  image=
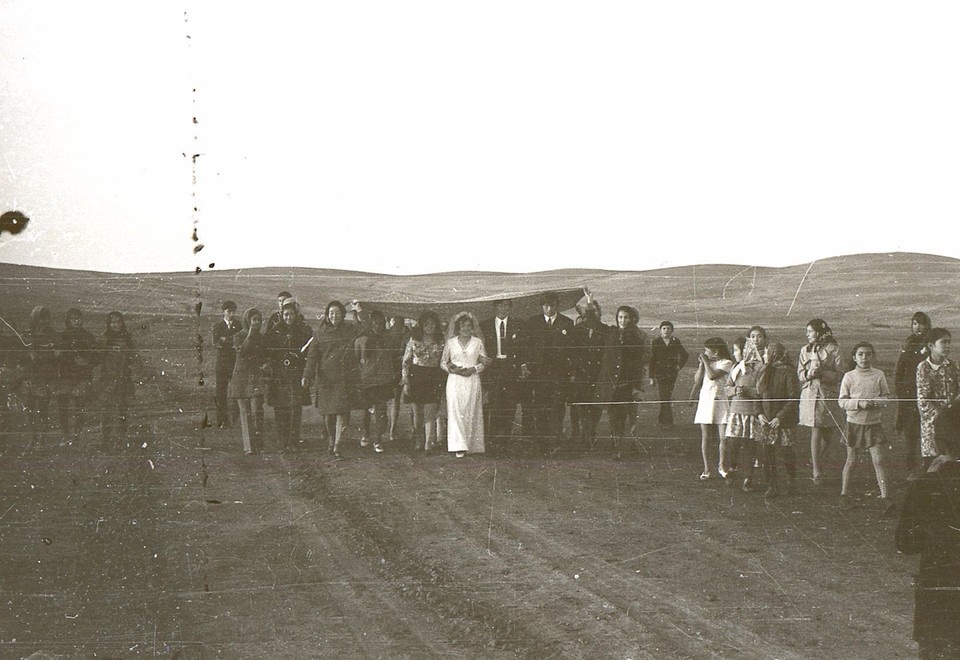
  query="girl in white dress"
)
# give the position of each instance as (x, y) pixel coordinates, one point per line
(464, 357)
(711, 415)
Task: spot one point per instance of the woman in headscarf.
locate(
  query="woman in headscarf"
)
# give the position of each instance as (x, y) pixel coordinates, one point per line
(423, 379)
(43, 370)
(620, 382)
(464, 357)
(115, 382)
(77, 356)
(819, 368)
(246, 384)
(332, 365)
(286, 344)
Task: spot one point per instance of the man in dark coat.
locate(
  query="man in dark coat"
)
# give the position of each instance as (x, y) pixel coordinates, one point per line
(546, 365)
(223, 331)
(930, 525)
(502, 337)
(667, 358)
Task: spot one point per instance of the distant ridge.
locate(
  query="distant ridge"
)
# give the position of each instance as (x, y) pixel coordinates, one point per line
(911, 259)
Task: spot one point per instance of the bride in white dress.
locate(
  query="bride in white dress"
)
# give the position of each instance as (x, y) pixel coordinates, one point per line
(464, 357)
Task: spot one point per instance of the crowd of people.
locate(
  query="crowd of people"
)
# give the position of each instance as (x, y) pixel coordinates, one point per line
(465, 379)
(70, 370)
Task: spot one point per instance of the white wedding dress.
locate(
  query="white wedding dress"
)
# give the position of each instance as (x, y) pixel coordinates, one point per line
(464, 396)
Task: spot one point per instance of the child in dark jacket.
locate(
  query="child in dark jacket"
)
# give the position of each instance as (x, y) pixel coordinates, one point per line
(780, 391)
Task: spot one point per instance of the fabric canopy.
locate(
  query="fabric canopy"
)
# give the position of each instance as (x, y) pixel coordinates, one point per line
(524, 304)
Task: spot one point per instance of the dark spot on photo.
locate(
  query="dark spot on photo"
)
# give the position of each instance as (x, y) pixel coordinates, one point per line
(13, 222)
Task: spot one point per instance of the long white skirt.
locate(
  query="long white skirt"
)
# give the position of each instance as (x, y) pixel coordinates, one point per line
(464, 414)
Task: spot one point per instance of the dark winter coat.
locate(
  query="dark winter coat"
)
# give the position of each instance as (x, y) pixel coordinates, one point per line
(332, 365)
(621, 363)
(286, 355)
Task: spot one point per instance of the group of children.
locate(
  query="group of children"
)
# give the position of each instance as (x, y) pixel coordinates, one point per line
(751, 403)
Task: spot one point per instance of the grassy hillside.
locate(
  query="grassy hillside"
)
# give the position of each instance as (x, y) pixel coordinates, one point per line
(868, 297)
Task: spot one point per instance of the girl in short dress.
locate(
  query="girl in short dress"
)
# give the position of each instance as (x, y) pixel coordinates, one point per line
(714, 366)
(745, 408)
(819, 369)
(423, 380)
(938, 383)
(863, 393)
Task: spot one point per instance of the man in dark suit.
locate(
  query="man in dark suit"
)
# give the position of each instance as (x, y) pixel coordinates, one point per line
(502, 337)
(667, 357)
(223, 331)
(546, 365)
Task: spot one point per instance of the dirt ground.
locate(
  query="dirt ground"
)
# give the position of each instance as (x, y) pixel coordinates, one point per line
(181, 547)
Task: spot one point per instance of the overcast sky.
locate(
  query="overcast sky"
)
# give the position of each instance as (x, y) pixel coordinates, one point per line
(403, 137)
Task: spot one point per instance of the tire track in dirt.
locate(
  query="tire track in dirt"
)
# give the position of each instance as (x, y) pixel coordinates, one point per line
(597, 598)
(472, 623)
(289, 582)
(569, 618)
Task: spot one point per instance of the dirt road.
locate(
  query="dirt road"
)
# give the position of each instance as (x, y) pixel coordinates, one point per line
(185, 548)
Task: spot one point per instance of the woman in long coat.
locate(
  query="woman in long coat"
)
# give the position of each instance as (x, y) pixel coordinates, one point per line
(115, 381)
(820, 369)
(247, 385)
(621, 372)
(332, 365)
(464, 357)
(286, 344)
(378, 377)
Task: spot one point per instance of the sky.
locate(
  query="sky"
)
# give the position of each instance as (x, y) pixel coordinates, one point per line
(412, 137)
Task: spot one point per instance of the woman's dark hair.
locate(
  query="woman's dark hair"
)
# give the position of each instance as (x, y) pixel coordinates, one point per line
(248, 316)
(417, 332)
(718, 346)
(740, 342)
(820, 327)
(762, 330)
(921, 317)
(335, 303)
(631, 312)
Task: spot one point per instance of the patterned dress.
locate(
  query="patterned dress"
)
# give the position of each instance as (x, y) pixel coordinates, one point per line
(936, 385)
